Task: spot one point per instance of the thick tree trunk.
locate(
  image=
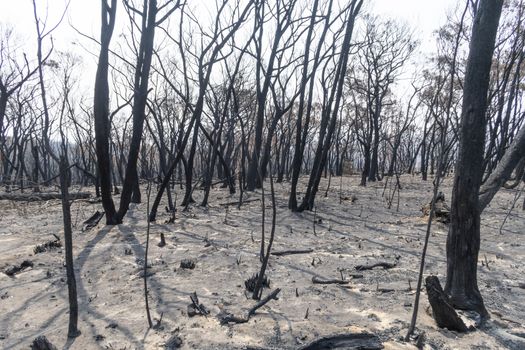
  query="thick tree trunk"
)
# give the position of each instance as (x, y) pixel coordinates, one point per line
(463, 240)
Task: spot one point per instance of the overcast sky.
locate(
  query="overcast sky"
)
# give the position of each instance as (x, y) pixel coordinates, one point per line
(424, 16)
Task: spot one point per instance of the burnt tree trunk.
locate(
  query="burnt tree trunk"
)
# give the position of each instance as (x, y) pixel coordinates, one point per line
(101, 112)
(463, 239)
(68, 239)
(503, 170)
(130, 187)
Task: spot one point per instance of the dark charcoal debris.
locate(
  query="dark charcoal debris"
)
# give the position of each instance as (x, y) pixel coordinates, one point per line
(196, 308)
(175, 342)
(41, 248)
(11, 270)
(41, 343)
(441, 209)
(92, 221)
(252, 281)
(187, 264)
(162, 242)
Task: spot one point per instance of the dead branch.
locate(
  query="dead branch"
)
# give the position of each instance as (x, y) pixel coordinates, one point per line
(292, 251)
(318, 280)
(226, 318)
(385, 265)
(93, 220)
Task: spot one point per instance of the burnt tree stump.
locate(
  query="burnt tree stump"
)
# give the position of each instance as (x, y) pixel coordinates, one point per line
(41, 343)
(442, 309)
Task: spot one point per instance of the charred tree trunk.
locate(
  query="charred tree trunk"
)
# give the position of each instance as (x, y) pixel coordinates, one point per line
(299, 144)
(101, 112)
(68, 239)
(331, 111)
(463, 240)
(130, 187)
(503, 171)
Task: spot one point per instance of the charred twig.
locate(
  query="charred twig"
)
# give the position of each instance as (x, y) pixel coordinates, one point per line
(516, 197)
(385, 265)
(257, 292)
(93, 220)
(292, 251)
(318, 280)
(315, 219)
(196, 308)
(150, 323)
(226, 318)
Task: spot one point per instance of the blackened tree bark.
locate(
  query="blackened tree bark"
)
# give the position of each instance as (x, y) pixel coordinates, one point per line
(101, 111)
(228, 93)
(301, 130)
(463, 239)
(284, 11)
(331, 110)
(140, 92)
(149, 22)
(73, 331)
(220, 38)
(386, 48)
(12, 77)
(513, 155)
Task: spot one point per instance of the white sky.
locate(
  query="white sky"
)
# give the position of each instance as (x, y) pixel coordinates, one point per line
(424, 16)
